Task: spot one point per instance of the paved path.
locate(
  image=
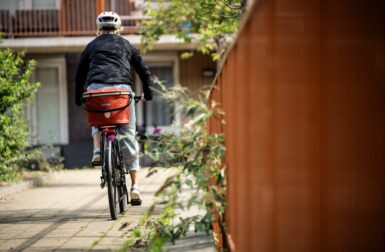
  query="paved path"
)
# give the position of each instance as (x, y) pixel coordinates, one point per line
(70, 213)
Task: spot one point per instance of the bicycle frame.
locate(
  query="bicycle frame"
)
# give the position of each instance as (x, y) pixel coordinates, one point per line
(113, 173)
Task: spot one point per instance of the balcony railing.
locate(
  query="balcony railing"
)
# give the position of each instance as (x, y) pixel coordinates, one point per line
(73, 18)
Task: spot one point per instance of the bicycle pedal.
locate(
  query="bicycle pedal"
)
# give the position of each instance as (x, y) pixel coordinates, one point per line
(136, 202)
(123, 170)
(102, 183)
(96, 163)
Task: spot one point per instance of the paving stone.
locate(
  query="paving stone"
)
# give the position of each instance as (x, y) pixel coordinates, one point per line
(70, 213)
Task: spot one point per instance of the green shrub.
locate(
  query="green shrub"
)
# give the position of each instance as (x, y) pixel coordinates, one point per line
(15, 90)
(196, 155)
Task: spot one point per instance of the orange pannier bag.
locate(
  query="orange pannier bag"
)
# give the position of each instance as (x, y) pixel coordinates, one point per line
(107, 106)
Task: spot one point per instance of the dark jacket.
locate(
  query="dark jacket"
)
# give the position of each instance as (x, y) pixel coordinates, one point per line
(107, 60)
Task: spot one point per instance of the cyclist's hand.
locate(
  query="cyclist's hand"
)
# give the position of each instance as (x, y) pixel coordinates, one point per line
(137, 98)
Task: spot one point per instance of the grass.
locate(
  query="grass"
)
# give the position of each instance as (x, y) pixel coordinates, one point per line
(137, 233)
(140, 237)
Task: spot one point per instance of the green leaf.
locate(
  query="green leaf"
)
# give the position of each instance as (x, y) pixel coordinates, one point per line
(15, 91)
(201, 21)
(189, 182)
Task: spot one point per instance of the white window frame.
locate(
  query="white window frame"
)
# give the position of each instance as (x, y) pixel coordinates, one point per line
(60, 64)
(13, 5)
(29, 4)
(161, 60)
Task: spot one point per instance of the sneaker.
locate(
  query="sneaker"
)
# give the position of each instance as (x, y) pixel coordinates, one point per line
(135, 196)
(96, 158)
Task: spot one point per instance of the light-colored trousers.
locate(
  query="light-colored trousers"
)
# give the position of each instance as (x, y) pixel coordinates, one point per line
(126, 132)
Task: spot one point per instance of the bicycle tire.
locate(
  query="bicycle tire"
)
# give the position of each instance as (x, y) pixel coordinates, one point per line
(122, 199)
(111, 185)
(122, 189)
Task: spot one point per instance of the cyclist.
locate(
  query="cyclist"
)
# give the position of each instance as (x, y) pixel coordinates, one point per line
(105, 63)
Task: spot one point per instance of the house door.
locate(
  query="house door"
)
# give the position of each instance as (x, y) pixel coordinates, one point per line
(48, 112)
(48, 106)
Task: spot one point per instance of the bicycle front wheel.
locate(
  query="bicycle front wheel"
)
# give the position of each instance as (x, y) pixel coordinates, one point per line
(113, 198)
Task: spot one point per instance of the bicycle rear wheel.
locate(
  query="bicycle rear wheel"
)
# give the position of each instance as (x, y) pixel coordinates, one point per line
(108, 163)
(122, 198)
(121, 185)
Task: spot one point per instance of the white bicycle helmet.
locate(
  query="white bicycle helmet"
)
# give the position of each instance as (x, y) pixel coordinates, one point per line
(108, 19)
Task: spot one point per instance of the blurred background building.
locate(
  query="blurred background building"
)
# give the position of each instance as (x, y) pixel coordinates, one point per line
(55, 32)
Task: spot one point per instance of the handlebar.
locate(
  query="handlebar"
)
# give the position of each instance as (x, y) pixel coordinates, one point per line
(137, 98)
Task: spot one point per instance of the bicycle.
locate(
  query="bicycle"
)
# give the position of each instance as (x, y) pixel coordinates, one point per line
(113, 173)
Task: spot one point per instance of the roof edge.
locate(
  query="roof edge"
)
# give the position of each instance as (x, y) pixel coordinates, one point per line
(77, 44)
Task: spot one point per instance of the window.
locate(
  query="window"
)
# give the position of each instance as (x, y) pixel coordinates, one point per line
(158, 111)
(13, 5)
(44, 4)
(10, 5)
(48, 113)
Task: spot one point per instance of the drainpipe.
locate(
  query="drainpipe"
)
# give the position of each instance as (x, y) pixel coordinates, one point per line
(100, 6)
(62, 20)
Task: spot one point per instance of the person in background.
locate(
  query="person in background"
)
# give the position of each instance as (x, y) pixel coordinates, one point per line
(156, 130)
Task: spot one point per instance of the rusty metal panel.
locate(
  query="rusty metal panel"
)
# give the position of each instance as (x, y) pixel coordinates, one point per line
(303, 89)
